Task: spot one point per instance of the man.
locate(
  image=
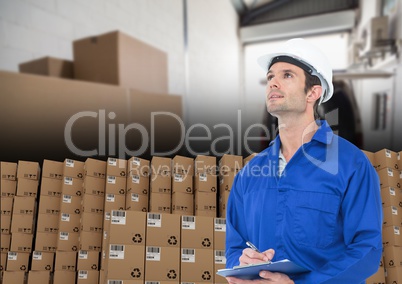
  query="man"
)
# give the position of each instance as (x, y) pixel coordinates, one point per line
(311, 196)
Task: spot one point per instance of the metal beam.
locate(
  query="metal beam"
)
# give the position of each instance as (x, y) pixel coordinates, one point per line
(326, 23)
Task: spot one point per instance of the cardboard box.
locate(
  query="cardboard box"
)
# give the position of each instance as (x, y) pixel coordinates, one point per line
(21, 223)
(3, 261)
(73, 169)
(8, 170)
(65, 261)
(48, 223)
(94, 185)
(69, 222)
(51, 186)
(93, 204)
(15, 277)
(114, 202)
(8, 188)
(161, 184)
(393, 275)
(27, 187)
(70, 204)
(126, 262)
(205, 201)
(197, 232)
(139, 167)
(182, 183)
(5, 224)
(391, 236)
(21, 242)
(392, 216)
(392, 256)
(160, 202)
(28, 170)
(197, 265)
(386, 159)
(88, 260)
(389, 178)
(87, 276)
(46, 242)
(72, 186)
(163, 229)
(378, 277)
(162, 263)
(205, 182)
(52, 169)
(226, 181)
(230, 163)
(205, 165)
(24, 205)
(138, 184)
(64, 277)
(49, 204)
(91, 222)
(182, 203)
(5, 243)
(95, 168)
(183, 165)
(39, 277)
(48, 66)
(219, 263)
(68, 241)
(219, 234)
(400, 159)
(161, 166)
(116, 167)
(247, 159)
(90, 241)
(42, 261)
(127, 228)
(17, 261)
(115, 185)
(391, 197)
(136, 202)
(6, 207)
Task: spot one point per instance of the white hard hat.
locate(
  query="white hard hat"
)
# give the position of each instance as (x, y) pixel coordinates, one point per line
(305, 55)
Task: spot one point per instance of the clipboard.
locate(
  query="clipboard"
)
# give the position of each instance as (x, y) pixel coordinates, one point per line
(251, 271)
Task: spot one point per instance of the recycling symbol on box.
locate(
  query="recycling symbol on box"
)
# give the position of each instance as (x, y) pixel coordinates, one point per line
(137, 238)
(136, 273)
(171, 274)
(74, 248)
(23, 267)
(206, 275)
(94, 267)
(79, 175)
(172, 240)
(206, 242)
(48, 267)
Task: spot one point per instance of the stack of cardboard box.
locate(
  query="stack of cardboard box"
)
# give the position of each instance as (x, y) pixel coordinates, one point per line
(160, 196)
(138, 184)
(387, 165)
(205, 186)
(219, 247)
(182, 185)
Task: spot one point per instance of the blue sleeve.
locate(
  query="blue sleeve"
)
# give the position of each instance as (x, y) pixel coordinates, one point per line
(362, 218)
(235, 240)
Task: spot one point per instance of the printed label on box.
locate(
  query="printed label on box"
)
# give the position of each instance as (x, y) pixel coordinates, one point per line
(392, 191)
(118, 217)
(116, 252)
(67, 198)
(82, 274)
(112, 162)
(154, 220)
(110, 197)
(220, 257)
(136, 162)
(12, 255)
(111, 179)
(68, 180)
(396, 230)
(65, 217)
(153, 253)
(394, 210)
(220, 225)
(178, 178)
(135, 179)
(188, 255)
(37, 255)
(188, 222)
(64, 236)
(203, 177)
(69, 163)
(135, 197)
(83, 254)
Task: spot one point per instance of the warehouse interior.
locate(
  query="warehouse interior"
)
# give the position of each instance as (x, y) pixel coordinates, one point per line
(89, 90)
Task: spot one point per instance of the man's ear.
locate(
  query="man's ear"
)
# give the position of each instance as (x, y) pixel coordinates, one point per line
(314, 93)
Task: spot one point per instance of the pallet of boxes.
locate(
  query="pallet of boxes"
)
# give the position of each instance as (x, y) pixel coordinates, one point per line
(388, 166)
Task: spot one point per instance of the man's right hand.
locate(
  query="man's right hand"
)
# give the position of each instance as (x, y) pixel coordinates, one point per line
(250, 256)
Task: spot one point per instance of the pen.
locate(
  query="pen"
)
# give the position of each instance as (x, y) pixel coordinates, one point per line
(253, 247)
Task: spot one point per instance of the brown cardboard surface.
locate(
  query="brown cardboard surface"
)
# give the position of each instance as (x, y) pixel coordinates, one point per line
(197, 265)
(24, 205)
(219, 263)
(182, 203)
(197, 232)
(230, 163)
(182, 183)
(162, 263)
(391, 196)
(127, 227)
(391, 236)
(69, 222)
(3, 261)
(5, 242)
(72, 186)
(392, 216)
(120, 59)
(52, 169)
(15, 277)
(94, 185)
(92, 204)
(183, 165)
(49, 204)
(126, 262)
(386, 159)
(161, 184)
(205, 164)
(22, 223)
(21, 242)
(136, 202)
(28, 170)
(163, 229)
(116, 167)
(48, 66)
(39, 277)
(8, 170)
(393, 275)
(27, 187)
(70, 204)
(65, 260)
(8, 188)
(64, 277)
(95, 168)
(5, 224)
(378, 277)
(219, 233)
(51, 186)
(205, 213)
(17, 261)
(139, 167)
(42, 261)
(138, 184)
(91, 222)
(205, 201)
(389, 177)
(68, 241)
(115, 185)
(161, 166)
(48, 223)
(205, 182)
(114, 202)
(392, 256)
(46, 242)
(88, 260)
(90, 241)
(226, 181)
(160, 202)
(6, 207)
(73, 168)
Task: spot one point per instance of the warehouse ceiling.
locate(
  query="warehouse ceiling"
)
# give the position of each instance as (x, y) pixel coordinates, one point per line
(256, 12)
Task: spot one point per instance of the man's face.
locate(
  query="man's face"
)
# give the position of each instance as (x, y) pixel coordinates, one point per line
(285, 89)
